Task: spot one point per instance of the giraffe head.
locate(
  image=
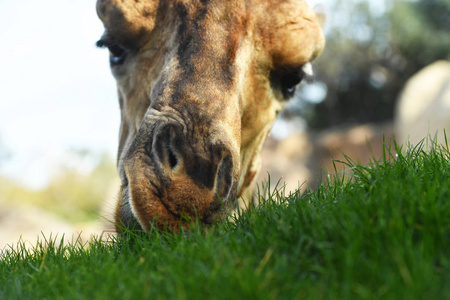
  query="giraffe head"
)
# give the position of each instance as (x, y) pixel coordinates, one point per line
(200, 83)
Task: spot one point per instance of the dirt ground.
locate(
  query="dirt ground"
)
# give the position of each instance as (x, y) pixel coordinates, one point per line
(30, 224)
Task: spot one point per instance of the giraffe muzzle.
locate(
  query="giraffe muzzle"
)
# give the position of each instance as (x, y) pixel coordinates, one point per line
(176, 177)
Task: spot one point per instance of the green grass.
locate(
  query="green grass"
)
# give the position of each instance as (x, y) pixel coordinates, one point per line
(382, 231)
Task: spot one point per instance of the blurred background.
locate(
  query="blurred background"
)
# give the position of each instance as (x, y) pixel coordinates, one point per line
(59, 114)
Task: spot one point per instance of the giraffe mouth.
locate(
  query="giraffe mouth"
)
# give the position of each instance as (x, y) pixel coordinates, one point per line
(168, 204)
(141, 203)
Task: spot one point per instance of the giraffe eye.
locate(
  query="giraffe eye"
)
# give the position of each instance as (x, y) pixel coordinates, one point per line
(289, 82)
(290, 79)
(117, 54)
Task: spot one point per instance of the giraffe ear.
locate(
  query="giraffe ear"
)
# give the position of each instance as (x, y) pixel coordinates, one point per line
(321, 14)
(128, 21)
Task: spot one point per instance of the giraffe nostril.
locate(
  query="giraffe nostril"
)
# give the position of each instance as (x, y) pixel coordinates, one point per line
(164, 148)
(224, 179)
(172, 157)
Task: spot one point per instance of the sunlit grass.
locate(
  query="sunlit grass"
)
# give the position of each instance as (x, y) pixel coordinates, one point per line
(381, 231)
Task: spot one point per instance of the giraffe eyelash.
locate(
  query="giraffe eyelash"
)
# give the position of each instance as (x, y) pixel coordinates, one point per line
(308, 72)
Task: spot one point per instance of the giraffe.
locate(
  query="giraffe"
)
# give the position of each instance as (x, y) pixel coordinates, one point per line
(200, 83)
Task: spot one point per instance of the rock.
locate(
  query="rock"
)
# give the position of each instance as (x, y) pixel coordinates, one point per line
(423, 108)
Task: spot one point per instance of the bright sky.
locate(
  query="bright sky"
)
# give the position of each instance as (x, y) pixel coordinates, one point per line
(56, 89)
(57, 92)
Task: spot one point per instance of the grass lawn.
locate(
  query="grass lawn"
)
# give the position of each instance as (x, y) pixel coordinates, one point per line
(382, 231)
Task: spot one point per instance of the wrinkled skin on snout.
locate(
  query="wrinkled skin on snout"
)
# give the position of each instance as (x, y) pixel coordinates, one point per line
(200, 84)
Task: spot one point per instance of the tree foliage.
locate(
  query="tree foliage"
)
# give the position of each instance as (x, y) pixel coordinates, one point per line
(369, 57)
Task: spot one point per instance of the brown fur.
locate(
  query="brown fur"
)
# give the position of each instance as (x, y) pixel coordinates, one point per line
(198, 96)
